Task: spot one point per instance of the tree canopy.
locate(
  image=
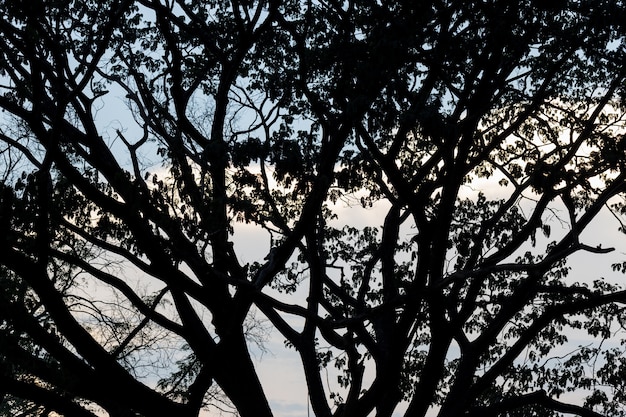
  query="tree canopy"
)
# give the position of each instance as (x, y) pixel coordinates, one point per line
(136, 136)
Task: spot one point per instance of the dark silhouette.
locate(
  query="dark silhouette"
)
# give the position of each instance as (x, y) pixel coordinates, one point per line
(136, 136)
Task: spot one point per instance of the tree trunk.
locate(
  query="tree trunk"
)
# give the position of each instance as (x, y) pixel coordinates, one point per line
(235, 374)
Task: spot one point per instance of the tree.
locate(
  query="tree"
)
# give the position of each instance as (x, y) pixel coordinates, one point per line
(118, 223)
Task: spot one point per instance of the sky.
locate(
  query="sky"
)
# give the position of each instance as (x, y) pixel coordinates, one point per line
(279, 367)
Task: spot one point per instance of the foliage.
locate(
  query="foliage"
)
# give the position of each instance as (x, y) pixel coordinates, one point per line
(137, 136)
